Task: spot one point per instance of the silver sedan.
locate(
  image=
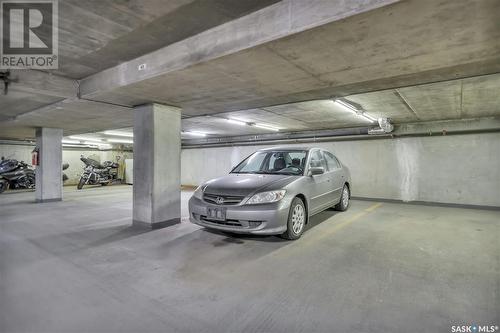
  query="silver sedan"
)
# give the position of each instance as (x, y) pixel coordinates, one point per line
(274, 191)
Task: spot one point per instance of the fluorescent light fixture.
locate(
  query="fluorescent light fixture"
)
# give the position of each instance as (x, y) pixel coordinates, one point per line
(120, 133)
(70, 141)
(105, 146)
(71, 145)
(348, 106)
(194, 133)
(367, 116)
(121, 141)
(90, 143)
(237, 122)
(85, 138)
(353, 109)
(268, 127)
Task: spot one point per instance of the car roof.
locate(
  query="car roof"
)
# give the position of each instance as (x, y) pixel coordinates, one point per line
(288, 148)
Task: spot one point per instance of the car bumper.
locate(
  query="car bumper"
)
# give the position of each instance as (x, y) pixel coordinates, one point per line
(265, 219)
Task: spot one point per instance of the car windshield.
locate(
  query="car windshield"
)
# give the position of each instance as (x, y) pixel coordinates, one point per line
(282, 162)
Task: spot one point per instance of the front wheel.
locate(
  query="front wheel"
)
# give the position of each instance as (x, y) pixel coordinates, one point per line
(81, 183)
(31, 182)
(296, 220)
(3, 186)
(344, 200)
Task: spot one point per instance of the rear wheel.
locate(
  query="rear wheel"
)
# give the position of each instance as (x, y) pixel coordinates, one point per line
(344, 199)
(296, 220)
(81, 183)
(3, 186)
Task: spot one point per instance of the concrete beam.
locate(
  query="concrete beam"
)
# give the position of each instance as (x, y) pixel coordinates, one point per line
(270, 23)
(68, 102)
(38, 82)
(157, 166)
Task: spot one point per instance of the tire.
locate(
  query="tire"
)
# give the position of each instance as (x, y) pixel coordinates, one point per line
(344, 199)
(80, 183)
(297, 218)
(31, 182)
(104, 184)
(3, 186)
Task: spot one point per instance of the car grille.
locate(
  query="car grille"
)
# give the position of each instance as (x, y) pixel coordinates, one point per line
(232, 223)
(227, 199)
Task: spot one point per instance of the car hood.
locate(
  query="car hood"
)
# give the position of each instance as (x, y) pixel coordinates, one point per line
(238, 184)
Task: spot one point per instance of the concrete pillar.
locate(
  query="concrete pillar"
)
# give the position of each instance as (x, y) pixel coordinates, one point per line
(157, 166)
(49, 171)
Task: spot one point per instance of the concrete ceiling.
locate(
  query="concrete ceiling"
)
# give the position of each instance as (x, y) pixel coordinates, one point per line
(19, 102)
(474, 97)
(450, 100)
(410, 61)
(469, 98)
(406, 43)
(98, 34)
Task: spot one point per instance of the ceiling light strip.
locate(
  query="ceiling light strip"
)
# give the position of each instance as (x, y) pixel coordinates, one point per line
(268, 127)
(194, 133)
(121, 141)
(84, 138)
(236, 122)
(119, 133)
(355, 110)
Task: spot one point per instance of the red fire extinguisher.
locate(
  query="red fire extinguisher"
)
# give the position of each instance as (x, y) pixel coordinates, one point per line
(34, 157)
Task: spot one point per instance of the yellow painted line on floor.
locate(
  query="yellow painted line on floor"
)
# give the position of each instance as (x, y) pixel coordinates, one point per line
(343, 224)
(316, 235)
(373, 207)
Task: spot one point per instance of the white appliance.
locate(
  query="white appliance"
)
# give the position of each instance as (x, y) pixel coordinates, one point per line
(129, 171)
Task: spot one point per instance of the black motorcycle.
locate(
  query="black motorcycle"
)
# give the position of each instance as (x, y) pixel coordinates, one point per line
(15, 175)
(96, 173)
(64, 176)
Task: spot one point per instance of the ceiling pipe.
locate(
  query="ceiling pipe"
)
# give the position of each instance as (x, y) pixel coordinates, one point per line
(442, 128)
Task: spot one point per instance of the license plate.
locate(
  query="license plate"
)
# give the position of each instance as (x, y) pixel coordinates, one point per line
(216, 213)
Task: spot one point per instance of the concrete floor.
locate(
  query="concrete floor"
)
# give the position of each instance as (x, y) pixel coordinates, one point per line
(78, 266)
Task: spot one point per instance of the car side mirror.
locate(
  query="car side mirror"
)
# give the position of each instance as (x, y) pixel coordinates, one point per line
(316, 171)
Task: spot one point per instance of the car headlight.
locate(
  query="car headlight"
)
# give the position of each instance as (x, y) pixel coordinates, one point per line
(198, 193)
(266, 197)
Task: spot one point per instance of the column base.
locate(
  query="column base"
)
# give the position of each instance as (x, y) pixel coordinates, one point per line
(48, 200)
(155, 225)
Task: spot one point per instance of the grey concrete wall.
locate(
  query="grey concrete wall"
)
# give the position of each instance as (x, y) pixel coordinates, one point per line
(71, 156)
(460, 169)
